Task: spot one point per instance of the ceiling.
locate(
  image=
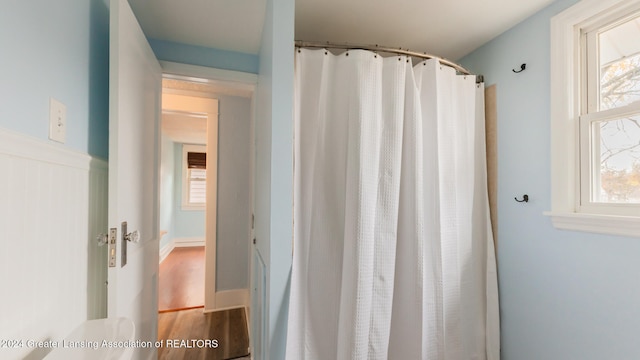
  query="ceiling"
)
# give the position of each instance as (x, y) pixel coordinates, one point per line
(185, 128)
(233, 25)
(191, 127)
(447, 28)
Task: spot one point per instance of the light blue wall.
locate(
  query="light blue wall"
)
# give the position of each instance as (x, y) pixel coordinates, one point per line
(167, 185)
(274, 167)
(563, 294)
(202, 56)
(234, 191)
(186, 223)
(56, 49)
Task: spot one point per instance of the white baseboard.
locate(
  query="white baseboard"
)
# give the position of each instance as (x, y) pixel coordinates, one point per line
(188, 242)
(166, 250)
(180, 242)
(231, 299)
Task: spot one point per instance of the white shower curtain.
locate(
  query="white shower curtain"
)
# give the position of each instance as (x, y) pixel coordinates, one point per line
(393, 252)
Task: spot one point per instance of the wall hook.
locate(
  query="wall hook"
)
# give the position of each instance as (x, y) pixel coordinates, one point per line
(525, 198)
(522, 68)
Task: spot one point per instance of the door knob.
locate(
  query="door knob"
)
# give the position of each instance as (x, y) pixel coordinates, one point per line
(133, 236)
(102, 239)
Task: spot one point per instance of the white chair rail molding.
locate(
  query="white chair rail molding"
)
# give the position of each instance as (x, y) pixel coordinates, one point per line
(595, 117)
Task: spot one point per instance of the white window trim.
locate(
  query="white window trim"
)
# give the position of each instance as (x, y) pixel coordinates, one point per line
(185, 178)
(565, 109)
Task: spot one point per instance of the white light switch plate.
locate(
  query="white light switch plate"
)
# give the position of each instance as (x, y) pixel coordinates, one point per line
(57, 121)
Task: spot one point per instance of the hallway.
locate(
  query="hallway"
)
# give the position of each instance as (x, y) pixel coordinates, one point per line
(185, 331)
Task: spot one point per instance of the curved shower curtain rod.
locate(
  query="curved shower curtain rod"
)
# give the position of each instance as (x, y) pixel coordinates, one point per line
(376, 48)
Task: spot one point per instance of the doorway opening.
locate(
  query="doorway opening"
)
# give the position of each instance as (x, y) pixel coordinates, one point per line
(216, 115)
(188, 196)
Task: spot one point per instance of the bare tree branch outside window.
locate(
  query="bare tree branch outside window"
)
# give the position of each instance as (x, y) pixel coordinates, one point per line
(620, 138)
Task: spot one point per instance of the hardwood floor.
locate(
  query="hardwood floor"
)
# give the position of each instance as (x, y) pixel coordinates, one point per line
(181, 279)
(185, 333)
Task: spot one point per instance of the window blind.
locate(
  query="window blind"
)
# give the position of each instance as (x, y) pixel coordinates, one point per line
(197, 186)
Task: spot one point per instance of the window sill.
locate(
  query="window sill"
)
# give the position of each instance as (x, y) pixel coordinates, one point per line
(193, 207)
(601, 224)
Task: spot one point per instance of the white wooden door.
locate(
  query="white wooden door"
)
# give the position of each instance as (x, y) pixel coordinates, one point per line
(134, 111)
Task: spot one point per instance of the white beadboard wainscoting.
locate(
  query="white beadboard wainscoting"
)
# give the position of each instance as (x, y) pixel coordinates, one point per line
(52, 206)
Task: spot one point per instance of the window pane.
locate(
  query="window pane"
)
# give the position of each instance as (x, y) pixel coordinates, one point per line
(618, 160)
(619, 59)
